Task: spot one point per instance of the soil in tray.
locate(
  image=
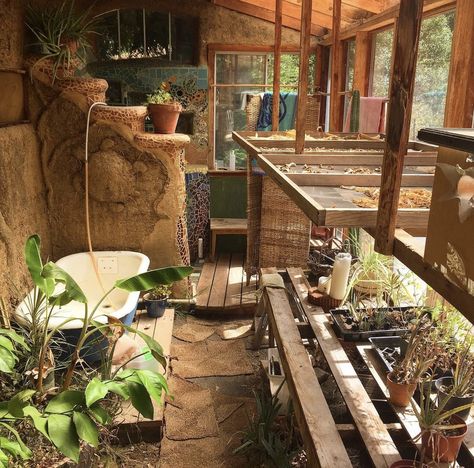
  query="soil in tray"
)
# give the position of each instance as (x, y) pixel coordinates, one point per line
(370, 323)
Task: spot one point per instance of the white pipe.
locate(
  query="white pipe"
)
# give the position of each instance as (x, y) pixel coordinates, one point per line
(192, 301)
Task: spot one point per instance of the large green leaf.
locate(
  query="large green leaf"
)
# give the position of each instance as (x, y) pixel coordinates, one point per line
(62, 433)
(7, 361)
(6, 343)
(14, 336)
(119, 388)
(25, 451)
(35, 265)
(150, 279)
(19, 402)
(39, 421)
(154, 383)
(100, 414)
(140, 399)
(4, 459)
(154, 347)
(65, 401)
(95, 391)
(86, 428)
(72, 291)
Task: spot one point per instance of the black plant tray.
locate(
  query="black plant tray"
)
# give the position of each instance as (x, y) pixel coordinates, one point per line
(387, 349)
(356, 335)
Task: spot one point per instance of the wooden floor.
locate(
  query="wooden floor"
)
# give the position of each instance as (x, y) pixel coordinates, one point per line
(223, 285)
(132, 426)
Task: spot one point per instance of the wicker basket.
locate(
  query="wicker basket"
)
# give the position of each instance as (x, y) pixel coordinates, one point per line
(284, 230)
(313, 107)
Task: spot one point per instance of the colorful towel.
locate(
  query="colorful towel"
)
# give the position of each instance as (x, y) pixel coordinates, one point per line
(286, 115)
(371, 115)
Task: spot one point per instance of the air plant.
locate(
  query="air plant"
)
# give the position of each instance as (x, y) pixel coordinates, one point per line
(63, 32)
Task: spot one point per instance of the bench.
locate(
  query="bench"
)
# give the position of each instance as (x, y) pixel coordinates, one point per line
(226, 226)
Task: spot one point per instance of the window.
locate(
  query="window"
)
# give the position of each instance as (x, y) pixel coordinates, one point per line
(350, 64)
(134, 34)
(434, 55)
(239, 75)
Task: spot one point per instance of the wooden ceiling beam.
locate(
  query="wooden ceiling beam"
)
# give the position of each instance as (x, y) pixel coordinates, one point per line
(349, 14)
(387, 18)
(266, 14)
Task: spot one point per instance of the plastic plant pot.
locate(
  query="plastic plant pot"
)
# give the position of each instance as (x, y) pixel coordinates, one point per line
(155, 308)
(454, 401)
(400, 393)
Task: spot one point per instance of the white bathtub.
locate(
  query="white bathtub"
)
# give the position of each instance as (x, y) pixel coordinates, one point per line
(111, 266)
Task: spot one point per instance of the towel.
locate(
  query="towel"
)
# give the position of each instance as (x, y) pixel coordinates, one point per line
(286, 115)
(371, 115)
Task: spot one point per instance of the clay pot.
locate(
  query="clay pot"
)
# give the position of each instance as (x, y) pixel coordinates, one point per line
(408, 464)
(454, 401)
(443, 448)
(400, 393)
(165, 116)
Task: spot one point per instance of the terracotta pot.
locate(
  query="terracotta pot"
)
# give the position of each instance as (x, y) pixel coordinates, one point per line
(400, 394)
(443, 448)
(165, 116)
(408, 464)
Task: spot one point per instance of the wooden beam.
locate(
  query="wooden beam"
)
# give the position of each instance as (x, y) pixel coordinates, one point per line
(322, 442)
(460, 95)
(407, 35)
(335, 114)
(211, 59)
(277, 65)
(306, 9)
(373, 432)
(387, 18)
(362, 62)
(266, 14)
(321, 79)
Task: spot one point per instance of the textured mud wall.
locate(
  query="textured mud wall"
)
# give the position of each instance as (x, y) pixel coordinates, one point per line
(134, 191)
(22, 201)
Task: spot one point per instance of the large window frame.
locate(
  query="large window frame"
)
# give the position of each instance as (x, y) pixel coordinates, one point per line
(214, 50)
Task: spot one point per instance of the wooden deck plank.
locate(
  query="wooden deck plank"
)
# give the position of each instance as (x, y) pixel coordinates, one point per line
(380, 445)
(204, 286)
(233, 295)
(249, 298)
(219, 285)
(324, 446)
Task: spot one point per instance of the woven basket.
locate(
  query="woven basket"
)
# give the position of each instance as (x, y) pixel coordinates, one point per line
(284, 230)
(253, 110)
(313, 108)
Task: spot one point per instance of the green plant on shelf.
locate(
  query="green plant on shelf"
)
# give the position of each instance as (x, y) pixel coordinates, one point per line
(161, 95)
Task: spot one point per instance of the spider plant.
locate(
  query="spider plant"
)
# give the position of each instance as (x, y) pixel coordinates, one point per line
(62, 32)
(463, 373)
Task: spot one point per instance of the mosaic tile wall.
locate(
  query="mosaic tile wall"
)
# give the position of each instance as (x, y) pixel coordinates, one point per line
(198, 205)
(188, 86)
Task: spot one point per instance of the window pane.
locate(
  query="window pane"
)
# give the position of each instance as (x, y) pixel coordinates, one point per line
(185, 37)
(290, 71)
(230, 116)
(382, 63)
(240, 69)
(156, 34)
(107, 40)
(350, 65)
(432, 70)
(131, 34)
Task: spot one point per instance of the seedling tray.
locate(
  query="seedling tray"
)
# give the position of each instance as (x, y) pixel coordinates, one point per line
(387, 349)
(359, 335)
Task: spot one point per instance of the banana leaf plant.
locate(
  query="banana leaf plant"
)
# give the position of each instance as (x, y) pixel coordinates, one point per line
(74, 415)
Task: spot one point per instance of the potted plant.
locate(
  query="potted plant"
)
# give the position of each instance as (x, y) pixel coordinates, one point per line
(442, 430)
(164, 110)
(460, 387)
(156, 300)
(419, 357)
(63, 34)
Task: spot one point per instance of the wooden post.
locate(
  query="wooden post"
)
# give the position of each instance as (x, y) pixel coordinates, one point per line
(407, 35)
(335, 114)
(460, 96)
(305, 36)
(363, 55)
(277, 65)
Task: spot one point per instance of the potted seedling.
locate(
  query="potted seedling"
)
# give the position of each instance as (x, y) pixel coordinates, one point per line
(405, 376)
(442, 430)
(460, 387)
(63, 34)
(156, 300)
(164, 110)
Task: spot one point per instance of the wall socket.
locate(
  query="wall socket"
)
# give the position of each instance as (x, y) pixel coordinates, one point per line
(107, 264)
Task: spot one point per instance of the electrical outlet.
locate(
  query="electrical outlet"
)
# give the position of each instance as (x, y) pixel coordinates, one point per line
(107, 264)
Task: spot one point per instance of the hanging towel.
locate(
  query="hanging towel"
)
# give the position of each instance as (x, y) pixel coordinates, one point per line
(371, 115)
(286, 114)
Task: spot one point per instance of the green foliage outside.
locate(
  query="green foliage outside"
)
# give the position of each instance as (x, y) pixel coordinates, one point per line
(432, 71)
